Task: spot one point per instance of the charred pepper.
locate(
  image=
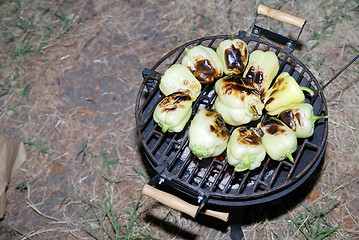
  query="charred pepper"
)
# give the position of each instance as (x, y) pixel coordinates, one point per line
(278, 139)
(300, 118)
(173, 112)
(178, 78)
(233, 54)
(245, 149)
(208, 135)
(261, 69)
(284, 92)
(204, 63)
(237, 101)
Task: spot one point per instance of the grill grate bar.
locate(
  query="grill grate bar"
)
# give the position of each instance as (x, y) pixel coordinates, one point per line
(181, 145)
(187, 169)
(219, 175)
(301, 76)
(312, 145)
(282, 64)
(192, 172)
(146, 121)
(256, 46)
(207, 175)
(279, 170)
(152, 136)
(299, 152)
(173, 144)
(178, 56)
(243, 183)
(229, 183)
(261, 176)
(211, 42)
(260, 186)
(146, 106)
(220, 178)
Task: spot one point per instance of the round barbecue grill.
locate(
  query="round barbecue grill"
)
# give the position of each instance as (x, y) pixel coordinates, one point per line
(212, 183)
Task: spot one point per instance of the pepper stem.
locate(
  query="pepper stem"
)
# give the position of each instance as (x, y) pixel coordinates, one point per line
(244, 164)
(165, 128)
(316, 118)
(290, 157)
(199, 151)
(308, 90)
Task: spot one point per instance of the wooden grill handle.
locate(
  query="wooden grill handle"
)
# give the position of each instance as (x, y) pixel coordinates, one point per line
(280, 16)
(179, 204)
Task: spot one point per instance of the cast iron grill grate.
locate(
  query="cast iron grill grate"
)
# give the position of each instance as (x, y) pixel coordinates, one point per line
(213, 178)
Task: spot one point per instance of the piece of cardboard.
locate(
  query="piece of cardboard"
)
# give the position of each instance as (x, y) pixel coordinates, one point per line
(12, 155)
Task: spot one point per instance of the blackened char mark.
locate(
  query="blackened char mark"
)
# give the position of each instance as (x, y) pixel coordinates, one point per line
(203, 71)
(273, 126)
(237, 85)
(288, 118)
(173, 101)
(291, 118)
(256, 76)
(219, 126)
(234, 59)
(248, 136)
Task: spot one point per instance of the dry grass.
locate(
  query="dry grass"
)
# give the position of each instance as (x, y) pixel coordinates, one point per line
(70, 72)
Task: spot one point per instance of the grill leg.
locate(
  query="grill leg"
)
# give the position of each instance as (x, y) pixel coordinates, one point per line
(236, 232)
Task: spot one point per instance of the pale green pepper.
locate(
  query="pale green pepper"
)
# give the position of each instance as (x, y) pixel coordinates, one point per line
(204, 63)
(238, 102)
(284, 92)
(232, 116)
(208, 135)
(233, 54)
(300, 118)
(173, 112)
(245, 150)
(278, 139)
(178, 78)
(261, 69)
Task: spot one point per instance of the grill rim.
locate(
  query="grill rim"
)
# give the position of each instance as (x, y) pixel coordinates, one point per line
(218, 199)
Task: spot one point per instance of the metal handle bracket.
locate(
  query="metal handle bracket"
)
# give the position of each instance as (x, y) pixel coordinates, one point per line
(282, 17)
(179, 204)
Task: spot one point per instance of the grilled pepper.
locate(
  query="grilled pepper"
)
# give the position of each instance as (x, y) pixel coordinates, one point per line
(261, 69)
(300, 118)
(245, 150)
(232, 116)
(173, 112)
(233, 54)
(278, 139)
(238, 102)
(204, 63)
(178, 78)
(208, 135)
(284, 92)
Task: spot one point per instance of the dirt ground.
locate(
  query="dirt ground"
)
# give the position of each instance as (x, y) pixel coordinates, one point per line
(78, 121)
